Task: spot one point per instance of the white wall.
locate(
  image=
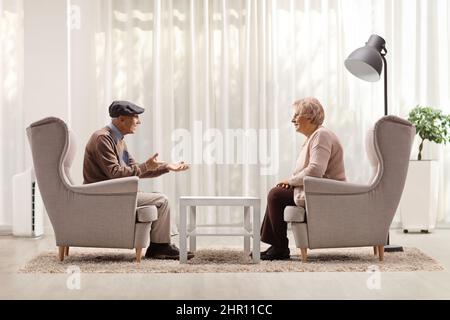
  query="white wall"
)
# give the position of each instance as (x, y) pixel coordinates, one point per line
(46, 86)
(12, 131)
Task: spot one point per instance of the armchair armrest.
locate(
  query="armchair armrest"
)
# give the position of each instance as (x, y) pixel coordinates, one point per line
(328, 186)
(128, 185)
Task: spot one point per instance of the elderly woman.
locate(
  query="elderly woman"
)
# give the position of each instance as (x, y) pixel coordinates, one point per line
(321, 156)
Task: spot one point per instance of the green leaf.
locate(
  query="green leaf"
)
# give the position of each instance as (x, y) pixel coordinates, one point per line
(431, 124)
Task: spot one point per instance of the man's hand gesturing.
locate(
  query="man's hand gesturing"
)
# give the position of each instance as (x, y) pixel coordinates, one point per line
(178, 166)
(153, 163)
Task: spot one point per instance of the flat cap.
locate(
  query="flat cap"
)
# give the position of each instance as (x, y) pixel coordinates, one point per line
(124, 108)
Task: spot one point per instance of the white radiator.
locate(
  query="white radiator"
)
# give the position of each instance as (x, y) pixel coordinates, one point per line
(28, 208)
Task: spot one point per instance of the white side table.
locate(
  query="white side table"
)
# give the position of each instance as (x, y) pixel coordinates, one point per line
(247, 230)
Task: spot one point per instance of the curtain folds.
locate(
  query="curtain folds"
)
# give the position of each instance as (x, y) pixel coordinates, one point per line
(12, 148)
(203, 68)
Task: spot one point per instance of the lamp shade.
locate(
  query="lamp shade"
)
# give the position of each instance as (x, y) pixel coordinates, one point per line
(366, 63)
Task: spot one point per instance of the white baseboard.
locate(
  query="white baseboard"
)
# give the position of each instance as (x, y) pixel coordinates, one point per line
(48, 229)
(439, 225)
(5, 230)
(443, 225)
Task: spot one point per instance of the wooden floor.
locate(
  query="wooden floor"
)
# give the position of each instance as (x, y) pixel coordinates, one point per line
(15, 252)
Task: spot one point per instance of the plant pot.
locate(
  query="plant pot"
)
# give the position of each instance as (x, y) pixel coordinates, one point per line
(418, 205)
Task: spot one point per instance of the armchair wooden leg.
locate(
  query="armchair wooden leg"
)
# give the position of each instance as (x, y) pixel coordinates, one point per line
(304, 254)
(375, 250)
(381, 253)
(61, 250)
(66, 252)
(138, 255)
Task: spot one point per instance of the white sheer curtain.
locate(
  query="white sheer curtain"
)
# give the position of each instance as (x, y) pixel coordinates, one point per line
(234, 64)
(11, 106)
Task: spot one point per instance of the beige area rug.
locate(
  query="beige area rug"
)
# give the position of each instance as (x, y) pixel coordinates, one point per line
(93, 260)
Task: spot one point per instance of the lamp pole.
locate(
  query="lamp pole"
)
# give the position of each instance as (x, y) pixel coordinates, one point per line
(383, 56)
(389, 247)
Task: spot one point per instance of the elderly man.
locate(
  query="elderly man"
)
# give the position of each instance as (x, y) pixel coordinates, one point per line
(107, 157)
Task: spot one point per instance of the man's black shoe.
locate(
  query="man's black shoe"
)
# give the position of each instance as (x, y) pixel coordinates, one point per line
(164, 251)
(277, 254)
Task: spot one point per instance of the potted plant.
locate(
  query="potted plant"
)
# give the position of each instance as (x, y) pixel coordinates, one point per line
(419, 200)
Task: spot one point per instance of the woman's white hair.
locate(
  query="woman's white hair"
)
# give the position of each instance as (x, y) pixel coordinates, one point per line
(311, 109)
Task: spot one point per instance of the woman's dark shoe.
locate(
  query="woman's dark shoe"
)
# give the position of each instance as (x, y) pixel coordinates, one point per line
(276, 254)
(262, 252)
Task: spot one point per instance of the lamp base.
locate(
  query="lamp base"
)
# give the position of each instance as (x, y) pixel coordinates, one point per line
(393, 248)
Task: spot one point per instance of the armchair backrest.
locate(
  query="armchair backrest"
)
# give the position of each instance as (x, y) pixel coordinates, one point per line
(49, 142)
(392, 141)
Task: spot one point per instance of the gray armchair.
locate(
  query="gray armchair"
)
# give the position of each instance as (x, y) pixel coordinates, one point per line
(342, 214)
(102, 214)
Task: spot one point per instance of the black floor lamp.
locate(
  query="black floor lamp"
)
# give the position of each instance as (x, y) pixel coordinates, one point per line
(366, 63)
